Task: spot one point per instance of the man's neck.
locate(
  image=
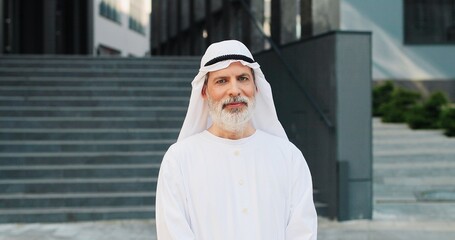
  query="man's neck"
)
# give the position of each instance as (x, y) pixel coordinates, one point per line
(244, 132)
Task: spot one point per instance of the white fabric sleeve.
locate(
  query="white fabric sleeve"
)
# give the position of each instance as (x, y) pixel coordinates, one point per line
(303, 220)
(172, 221)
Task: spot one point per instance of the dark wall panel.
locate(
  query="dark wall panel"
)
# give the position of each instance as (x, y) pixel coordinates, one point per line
(335, 70)
(31, 26)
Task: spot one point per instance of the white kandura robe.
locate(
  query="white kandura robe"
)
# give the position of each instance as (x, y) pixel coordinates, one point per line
(211, 188)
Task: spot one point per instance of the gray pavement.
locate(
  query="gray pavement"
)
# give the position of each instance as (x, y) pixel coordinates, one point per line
(102, 230)
(414, 197)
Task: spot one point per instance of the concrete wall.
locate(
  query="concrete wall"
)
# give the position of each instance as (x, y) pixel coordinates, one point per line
(392, 59)
(119, 36)
(354, 134)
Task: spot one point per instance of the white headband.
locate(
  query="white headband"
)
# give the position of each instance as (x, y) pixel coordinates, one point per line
(219, 56)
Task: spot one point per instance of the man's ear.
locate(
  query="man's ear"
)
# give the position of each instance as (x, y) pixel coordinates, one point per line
(204, 91)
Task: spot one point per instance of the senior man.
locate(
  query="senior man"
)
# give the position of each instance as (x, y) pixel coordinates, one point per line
(233, 174)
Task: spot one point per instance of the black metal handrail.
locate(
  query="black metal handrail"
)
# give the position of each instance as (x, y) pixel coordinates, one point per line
(289, 70)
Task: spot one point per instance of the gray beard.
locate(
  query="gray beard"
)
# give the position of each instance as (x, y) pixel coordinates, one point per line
(234, 120)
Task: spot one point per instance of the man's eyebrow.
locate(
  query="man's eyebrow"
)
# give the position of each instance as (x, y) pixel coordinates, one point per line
(225, 76)
(244, 74)
(218, 77)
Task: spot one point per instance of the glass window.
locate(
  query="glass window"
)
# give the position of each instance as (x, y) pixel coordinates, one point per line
(137, 16)
(110, 10)
(429, 21)
(107, 51)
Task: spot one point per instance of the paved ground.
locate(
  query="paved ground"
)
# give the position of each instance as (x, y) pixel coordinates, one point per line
(108, 230)
(414, 197)
(414, 174)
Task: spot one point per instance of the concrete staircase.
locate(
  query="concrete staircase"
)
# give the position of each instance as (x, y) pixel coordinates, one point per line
(82, 138)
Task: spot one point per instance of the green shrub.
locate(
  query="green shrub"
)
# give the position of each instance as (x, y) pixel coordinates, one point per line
(448, 121)
(381, 95)
(416, 118)
(427, 115)
(399, 105)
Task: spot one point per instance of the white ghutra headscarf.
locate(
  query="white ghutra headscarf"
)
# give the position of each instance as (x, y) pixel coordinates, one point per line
(219, 56)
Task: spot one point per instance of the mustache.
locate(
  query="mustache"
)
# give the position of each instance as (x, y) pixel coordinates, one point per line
(238, 99)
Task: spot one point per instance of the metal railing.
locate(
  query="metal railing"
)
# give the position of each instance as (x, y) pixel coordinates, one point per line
(288, 68)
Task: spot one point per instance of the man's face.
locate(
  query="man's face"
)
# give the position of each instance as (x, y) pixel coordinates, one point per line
(230, 94)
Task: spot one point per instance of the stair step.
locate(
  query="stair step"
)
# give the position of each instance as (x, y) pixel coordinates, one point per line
(24, 71)
(108, 60)
(81, 154)
(68, 185)
(88, 88)
(11, 201)
(90, 122)
(89, 130)
(38, 71)
(69, 214)
(138, 131)
(320, 205)
(96, 108)
(93, 101)
(43, 171)
(82, 138)
(72, 113)
(98, 58)
(64, 81)
(79, 167)
(75, 210)
(20, 201)
(107, 65)
(17, 196)
(87, 133)
(62, 148)
(72, 160)
(92, 111)
(92, 98)
(98, 91)
(321, 208)
(84, 142)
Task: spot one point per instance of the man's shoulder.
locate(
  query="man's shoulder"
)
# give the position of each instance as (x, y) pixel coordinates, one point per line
(275, 140)
(187, 143)
(282, 145)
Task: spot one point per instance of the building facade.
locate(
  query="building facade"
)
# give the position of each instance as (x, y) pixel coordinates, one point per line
(122, 27)
(412, 40)
(187, 27)
(86, 27)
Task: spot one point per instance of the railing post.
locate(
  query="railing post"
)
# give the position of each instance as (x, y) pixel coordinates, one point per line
(343, 190)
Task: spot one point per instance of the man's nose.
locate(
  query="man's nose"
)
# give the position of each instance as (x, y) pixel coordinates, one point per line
(234, 89)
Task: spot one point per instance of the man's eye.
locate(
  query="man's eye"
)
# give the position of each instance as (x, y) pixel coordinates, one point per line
(220, 81)
(243, 78)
